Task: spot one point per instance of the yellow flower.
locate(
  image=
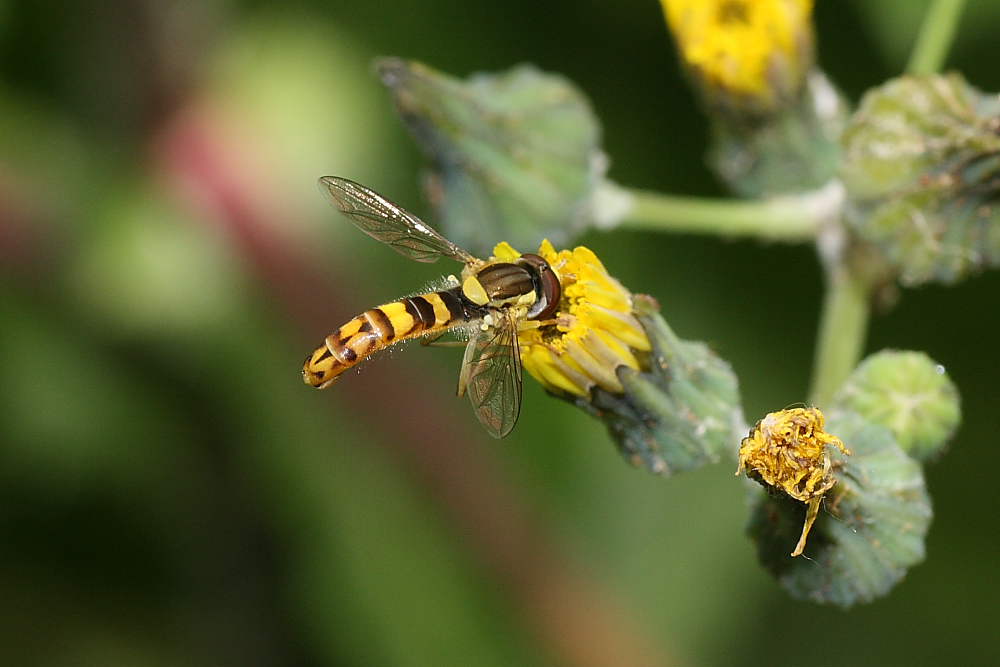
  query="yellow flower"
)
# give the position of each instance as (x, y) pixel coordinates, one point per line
(787, 450)
(757, 50)
(593, 333)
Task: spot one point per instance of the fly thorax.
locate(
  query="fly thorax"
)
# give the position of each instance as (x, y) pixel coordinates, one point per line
(500, 284)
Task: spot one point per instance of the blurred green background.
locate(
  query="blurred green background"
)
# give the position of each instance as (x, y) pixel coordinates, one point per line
(170, 492)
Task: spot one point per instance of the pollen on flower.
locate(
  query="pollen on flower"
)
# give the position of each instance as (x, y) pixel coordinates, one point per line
(787, 451)
(754, 48)
(593, 333)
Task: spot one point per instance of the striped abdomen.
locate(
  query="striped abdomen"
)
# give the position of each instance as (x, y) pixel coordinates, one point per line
(380, 327)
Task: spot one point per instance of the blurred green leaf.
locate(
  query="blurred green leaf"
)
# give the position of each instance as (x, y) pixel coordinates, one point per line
(61, 391)
(515, 156)
(147, 269)
(294, 91)
(36, 142)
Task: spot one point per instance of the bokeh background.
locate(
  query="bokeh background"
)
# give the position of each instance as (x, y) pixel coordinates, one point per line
(171, 494)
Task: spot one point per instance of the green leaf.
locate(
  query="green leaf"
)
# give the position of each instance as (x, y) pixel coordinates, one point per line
(870, 532)
(515, 155)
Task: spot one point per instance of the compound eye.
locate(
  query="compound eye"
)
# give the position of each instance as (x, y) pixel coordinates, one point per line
(548, 289)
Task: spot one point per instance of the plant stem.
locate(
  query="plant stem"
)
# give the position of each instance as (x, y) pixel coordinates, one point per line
(844, 321)
(791, 218)
(935, 37)
(842, 329)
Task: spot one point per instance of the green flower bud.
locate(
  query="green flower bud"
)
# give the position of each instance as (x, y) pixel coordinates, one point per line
(921, 166)
(908, 393)
(516, 155)
(679, 411)
(792, 149)
(871, 530)
(776, 119)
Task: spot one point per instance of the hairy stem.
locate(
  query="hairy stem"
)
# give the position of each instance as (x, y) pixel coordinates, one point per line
(935, 37)
(842, 329)
(792, 218)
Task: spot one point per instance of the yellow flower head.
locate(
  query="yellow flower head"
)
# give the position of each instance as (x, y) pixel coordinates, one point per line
(758, 50)
(787, 450)
(593, 333)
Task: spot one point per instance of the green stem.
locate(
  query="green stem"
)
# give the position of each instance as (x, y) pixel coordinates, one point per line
(935, 37)
(842, 329)
(789, 218)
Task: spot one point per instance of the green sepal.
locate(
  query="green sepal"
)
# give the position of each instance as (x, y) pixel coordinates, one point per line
(792, 149)
(515, 155)
(679, 414)
(908, 393)
(870, 531)
(922, 172)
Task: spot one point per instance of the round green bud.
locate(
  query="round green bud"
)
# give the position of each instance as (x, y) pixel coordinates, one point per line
(908, 393)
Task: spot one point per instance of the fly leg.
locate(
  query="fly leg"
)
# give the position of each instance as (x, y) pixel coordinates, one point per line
(435, 341)
(527, 325)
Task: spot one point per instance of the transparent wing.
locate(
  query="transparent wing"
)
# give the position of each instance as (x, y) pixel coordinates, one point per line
(379, 218)
(491, 374)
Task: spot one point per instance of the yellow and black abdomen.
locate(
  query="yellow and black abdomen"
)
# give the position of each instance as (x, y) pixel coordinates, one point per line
(380, 327)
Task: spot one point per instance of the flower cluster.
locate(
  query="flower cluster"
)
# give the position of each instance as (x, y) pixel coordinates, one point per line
(909, 187)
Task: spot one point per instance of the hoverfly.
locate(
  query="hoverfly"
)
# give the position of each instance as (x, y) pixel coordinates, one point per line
(491, 302)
